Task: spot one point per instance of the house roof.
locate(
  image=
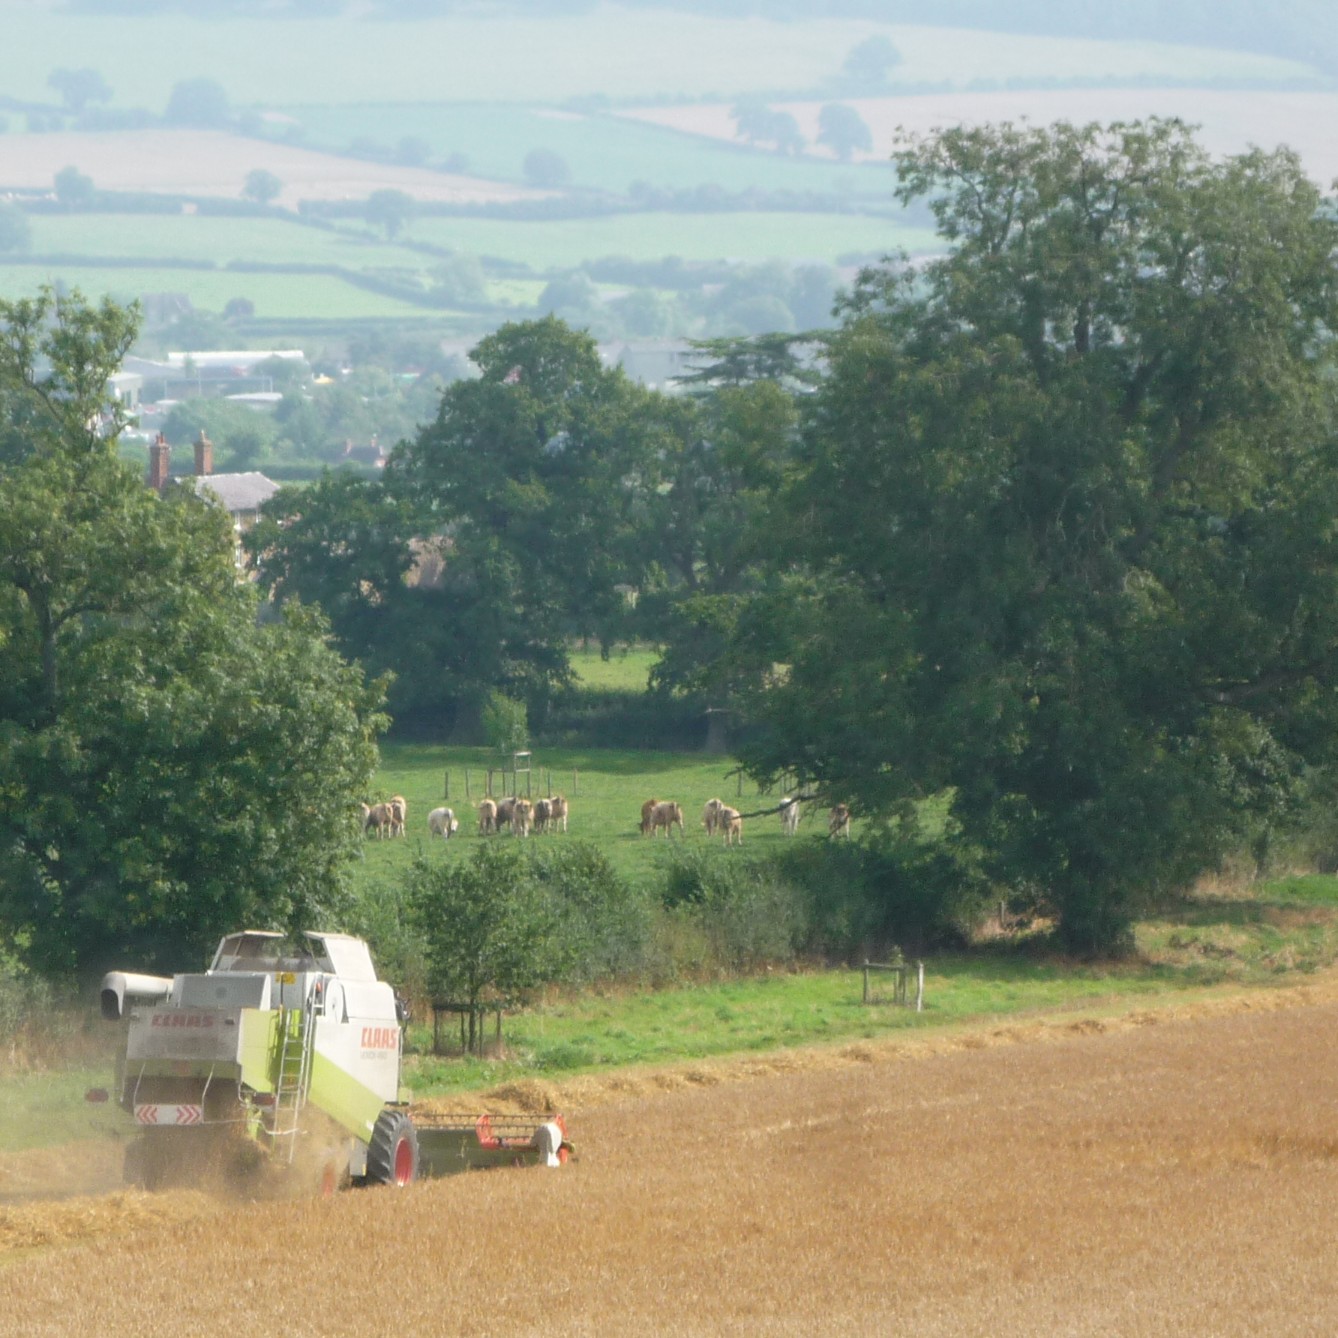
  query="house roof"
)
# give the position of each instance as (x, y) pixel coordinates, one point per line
(237, 492)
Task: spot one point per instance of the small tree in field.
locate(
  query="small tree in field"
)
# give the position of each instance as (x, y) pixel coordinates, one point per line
(261, 187)
(488, 928)
(389, 209)
(843, 130)
(506, 723)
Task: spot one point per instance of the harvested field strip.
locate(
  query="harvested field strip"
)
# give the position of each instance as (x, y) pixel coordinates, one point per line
(1157, 1179)
(1229, 121)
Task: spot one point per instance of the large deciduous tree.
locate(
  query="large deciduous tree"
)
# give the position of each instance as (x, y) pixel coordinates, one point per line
(169, 769)
(537, 475)
(1069, 496)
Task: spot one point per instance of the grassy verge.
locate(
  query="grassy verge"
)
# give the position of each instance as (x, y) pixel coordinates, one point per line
(1269, 934)
(48, 1108)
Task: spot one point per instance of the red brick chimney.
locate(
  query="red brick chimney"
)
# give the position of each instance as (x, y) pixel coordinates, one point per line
(204, 455)
(160, 453)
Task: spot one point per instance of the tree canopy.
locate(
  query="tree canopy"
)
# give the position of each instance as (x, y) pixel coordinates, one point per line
(1065, 505)
(169, 767)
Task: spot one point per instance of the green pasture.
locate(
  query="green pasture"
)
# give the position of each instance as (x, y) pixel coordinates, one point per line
(603, 152)
(604, 787)
(544, 246)
(219, 241)
(746, 237)
(276, 296)
(626, 669)
(479, 56)
(46, 1107)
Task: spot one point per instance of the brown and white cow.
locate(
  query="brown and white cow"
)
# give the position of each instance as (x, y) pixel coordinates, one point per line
(505, 810)
(378, 817)
(838, 821)
(558, 809)
(543, 814)
(487, 817)
(711, 815)
(522, 814)
(731, 826)
(667, 815)
(646, 810)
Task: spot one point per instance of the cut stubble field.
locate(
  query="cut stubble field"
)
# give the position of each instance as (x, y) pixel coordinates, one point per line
(1229, 122)
(1170, 1171)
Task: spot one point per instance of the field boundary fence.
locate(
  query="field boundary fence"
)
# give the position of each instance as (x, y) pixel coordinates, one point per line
(901, 975)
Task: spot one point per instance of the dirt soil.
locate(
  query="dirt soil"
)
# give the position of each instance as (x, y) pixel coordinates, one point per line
(1170, 1171)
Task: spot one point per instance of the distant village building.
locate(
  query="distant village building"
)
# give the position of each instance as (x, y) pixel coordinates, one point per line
(240, 495)
(213, 375)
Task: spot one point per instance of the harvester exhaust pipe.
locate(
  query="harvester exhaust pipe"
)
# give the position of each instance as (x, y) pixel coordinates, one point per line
(118, 986)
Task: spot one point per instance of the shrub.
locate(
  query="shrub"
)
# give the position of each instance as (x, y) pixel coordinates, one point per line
(604, 925)
(749, 912)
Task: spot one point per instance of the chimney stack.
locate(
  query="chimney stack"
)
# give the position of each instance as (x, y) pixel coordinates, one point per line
(160, 453)
(204, 455)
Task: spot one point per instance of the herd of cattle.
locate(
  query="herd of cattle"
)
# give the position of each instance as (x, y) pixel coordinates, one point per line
(522, 816)
(721, 820)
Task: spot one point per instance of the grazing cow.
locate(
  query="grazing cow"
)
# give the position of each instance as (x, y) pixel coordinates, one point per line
(838, 821)
(505, 811)
(487, 817)
(399, 813)
(378, 816)
(646, 810)
(789, 815)
(731, 825)
(521, 813)
(667, 815)
(557, 807)
(711, 815)
(543, 814)
(441, 822)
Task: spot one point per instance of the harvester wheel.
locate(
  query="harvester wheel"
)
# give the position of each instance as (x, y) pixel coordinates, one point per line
(392, 1154)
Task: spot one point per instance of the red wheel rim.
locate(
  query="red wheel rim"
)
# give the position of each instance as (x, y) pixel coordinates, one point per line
(403, 1162)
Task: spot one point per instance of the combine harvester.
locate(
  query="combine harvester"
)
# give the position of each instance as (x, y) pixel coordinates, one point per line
(289, 1054)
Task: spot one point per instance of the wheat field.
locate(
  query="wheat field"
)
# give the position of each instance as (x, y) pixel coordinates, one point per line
(1164, 1172)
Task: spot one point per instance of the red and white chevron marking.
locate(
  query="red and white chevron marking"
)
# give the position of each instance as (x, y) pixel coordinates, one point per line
(168, 1115)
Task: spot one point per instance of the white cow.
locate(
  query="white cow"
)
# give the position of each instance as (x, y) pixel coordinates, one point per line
(442, 822)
